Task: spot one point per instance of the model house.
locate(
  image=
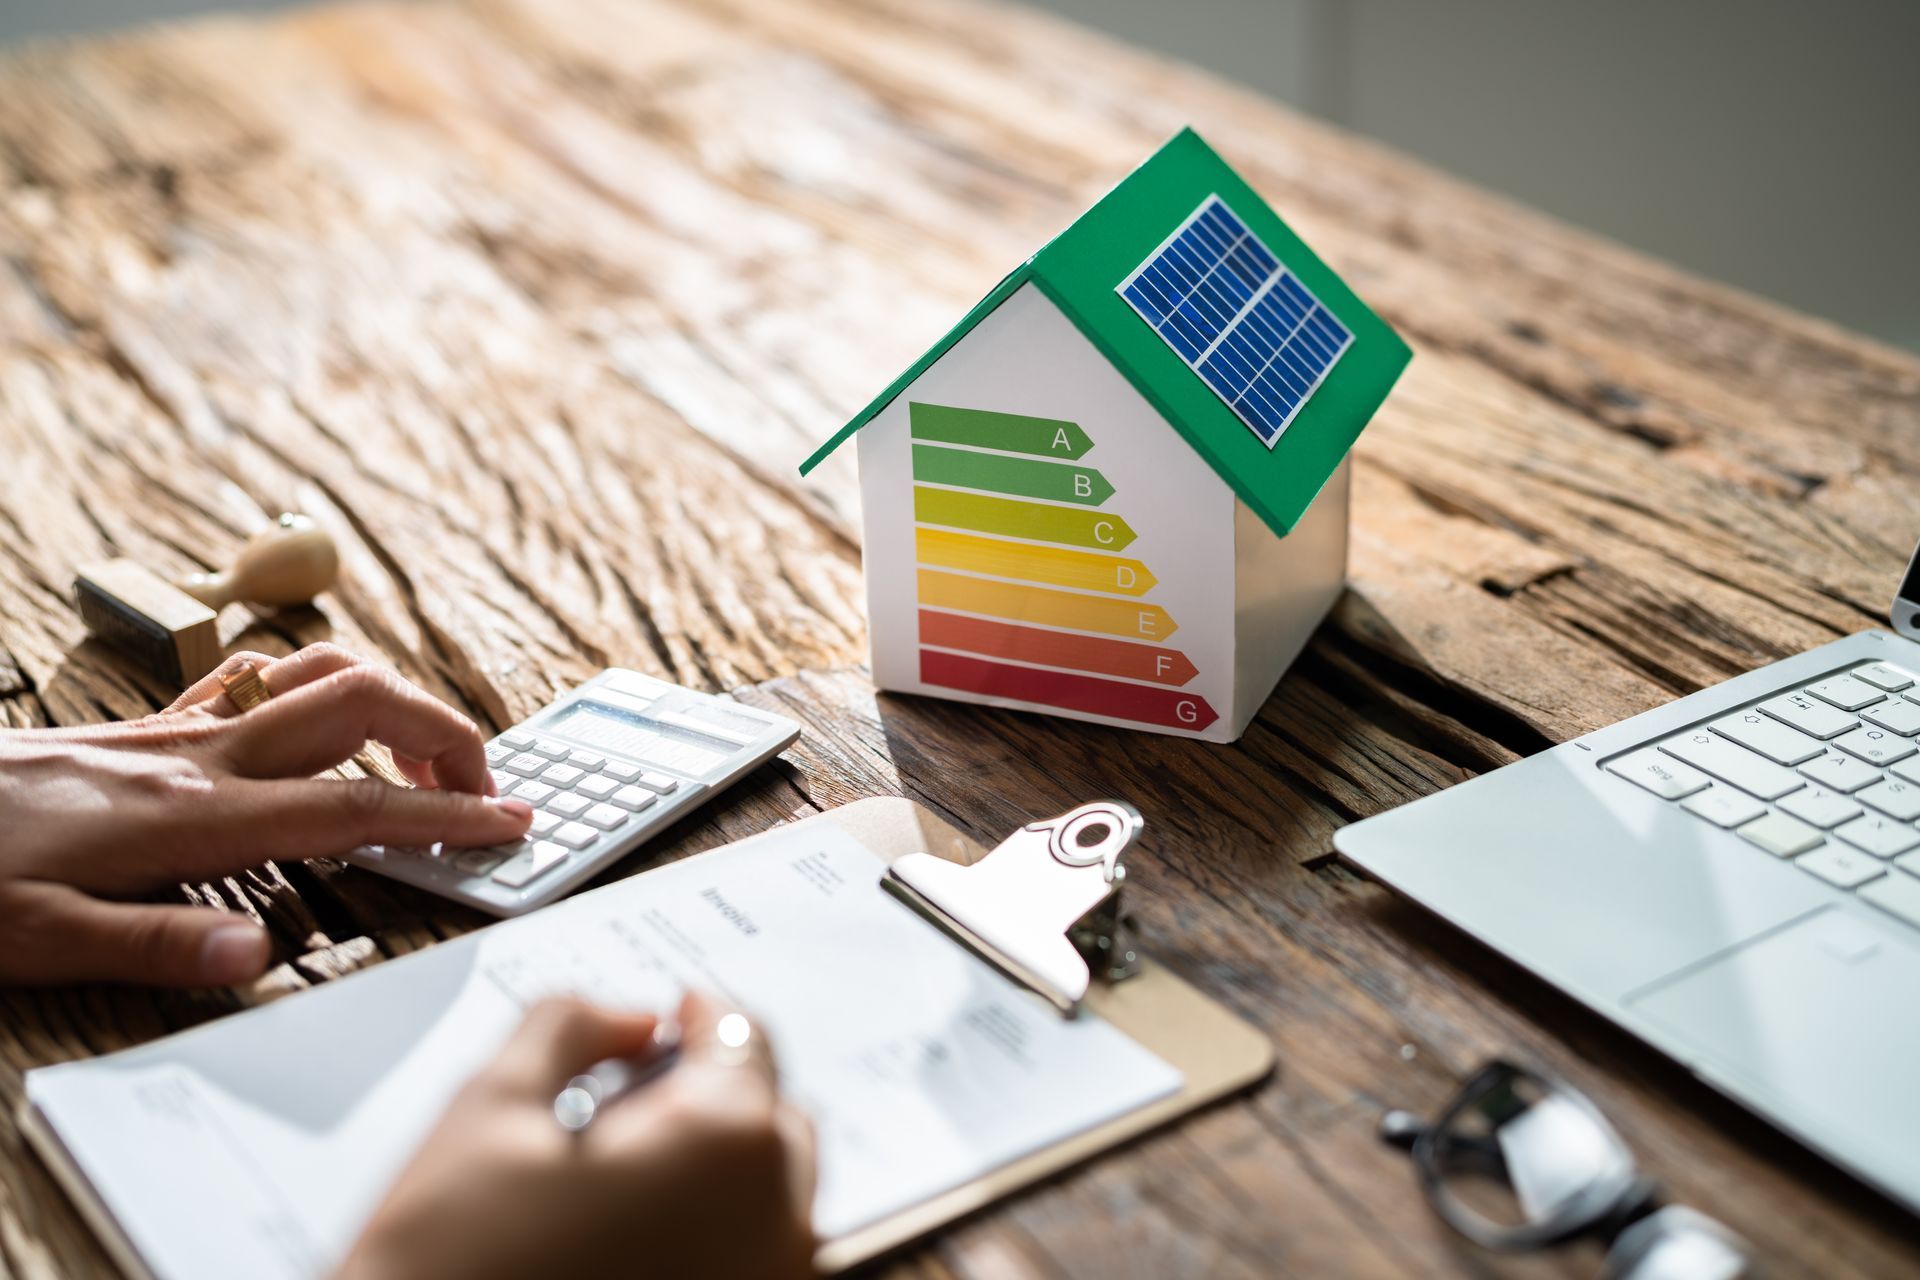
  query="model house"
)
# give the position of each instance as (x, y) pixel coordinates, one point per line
(1117, 489)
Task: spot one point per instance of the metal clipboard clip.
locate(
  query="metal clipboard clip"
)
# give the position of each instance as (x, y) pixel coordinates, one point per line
(1043, 907)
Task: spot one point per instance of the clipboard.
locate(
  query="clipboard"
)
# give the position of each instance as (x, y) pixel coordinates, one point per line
(1215, 1051)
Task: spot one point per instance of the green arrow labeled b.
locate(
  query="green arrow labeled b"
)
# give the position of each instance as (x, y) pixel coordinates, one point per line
(983, 429)
(1001, 473)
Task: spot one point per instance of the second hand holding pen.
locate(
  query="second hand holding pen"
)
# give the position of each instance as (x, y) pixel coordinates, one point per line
(611, 1079)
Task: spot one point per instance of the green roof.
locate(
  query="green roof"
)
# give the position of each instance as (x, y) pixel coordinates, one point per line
(1080, 269)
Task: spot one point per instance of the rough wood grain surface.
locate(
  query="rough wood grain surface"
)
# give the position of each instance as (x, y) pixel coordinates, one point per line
(535, 305)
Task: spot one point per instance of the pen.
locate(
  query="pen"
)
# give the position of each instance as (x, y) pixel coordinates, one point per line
(611, 1079)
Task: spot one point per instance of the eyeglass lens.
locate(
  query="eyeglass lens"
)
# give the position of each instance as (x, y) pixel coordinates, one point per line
(1518, 1153)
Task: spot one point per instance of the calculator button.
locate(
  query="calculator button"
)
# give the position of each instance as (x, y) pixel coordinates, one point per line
(534, 792)
(659, 782)
(623, 772)
(606, 816)
(568, 805)
(527, 867)
(503, 781)
(498, 753)
(586, 760)
(551, 750)
(597, 787)
(517, 739)
(543, 823)
(478, 862)
(634, 798)
(575, 835)
(527, 765)
(562, 775)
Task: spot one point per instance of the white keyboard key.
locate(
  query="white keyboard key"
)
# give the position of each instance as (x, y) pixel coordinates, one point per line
(575, 835)
(597, 787)
(1883, 675)
(543, 823)
(586, 760)
(551, 750)
(1846, 693)
(1731, 762)
(478, 862)
(1892, 797)
(621, 771)
(1906, 770)
(1724, 807)
(1909, 863)
(562, 775)
(517, 739)
(498, 753)
(1780, 835)
(526, 765)
(1809, 715)
(1896, 714)
(1780, 743)
(606, 816)
(1666, 777)
(1821, 807)
(1875, 746)
(568, 805)
(1881, 837)
(1843, 867)
(1841, 772)
(1897, 896)
(527, 867)
(658, 781)
(533, 791)
(634, 798)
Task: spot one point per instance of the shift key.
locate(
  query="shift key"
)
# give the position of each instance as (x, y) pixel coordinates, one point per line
(1779, 743)
(1733, 764)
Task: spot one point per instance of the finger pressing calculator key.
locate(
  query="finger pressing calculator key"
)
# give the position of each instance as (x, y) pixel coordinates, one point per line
(605, 767)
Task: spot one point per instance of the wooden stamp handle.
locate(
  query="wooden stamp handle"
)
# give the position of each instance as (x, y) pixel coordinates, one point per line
(288, 563)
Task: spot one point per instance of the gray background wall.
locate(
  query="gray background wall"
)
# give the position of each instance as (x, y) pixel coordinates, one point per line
(1774, 144)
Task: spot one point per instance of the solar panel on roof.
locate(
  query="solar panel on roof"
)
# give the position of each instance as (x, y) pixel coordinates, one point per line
(1242, 321)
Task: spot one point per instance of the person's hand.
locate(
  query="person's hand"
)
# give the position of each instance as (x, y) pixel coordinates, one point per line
(703, 1172)
(98, 815)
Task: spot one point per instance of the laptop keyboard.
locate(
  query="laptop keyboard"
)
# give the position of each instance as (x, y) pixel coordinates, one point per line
(1826, 775)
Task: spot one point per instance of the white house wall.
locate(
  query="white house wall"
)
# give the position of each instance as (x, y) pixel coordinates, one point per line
(1027, 358)
(1284, 588)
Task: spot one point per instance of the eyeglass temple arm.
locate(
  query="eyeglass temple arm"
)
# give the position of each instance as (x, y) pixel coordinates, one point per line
(1401, 1129)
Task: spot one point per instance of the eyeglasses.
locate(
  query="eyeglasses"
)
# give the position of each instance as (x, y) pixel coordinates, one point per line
(1520, 1161)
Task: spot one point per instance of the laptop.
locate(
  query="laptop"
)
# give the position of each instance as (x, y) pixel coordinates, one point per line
(1733, 877)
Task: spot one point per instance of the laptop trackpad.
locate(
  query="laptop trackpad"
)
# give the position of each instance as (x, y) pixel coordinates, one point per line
(1818, 1019)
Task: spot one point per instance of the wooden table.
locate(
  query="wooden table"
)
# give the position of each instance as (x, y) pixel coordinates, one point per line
(536, 306)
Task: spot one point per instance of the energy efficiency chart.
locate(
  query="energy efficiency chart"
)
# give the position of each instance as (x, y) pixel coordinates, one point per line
(1023, 590)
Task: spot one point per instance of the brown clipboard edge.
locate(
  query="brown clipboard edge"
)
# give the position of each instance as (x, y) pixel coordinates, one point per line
(1216, 1052)
(1213, 1049)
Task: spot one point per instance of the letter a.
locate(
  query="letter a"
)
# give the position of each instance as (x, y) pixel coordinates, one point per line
(1060, 440)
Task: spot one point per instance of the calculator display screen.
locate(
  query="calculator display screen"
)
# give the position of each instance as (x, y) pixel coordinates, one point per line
(640, 737)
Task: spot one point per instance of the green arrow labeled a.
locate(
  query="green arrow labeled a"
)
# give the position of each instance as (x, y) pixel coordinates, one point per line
(1003, 473)
(983, 429)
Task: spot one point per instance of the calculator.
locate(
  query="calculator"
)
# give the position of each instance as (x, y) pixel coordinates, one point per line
(604, 767)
